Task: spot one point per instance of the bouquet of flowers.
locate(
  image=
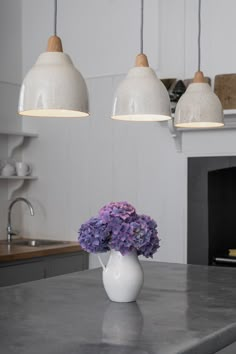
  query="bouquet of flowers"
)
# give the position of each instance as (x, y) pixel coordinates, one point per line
(119, 227)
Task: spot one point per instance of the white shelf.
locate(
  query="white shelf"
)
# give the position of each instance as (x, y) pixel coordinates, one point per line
(229, 118)
(18, 133)
(18, 177)
(229, 112)
(15, 183)
(176, 133)
(15, 139)
(227, 126)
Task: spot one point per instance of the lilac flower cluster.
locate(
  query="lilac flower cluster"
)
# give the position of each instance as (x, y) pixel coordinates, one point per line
(93, 235)
(119, 211)
(119, 227)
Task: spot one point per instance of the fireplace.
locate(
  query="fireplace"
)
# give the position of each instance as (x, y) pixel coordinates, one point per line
(211, 210)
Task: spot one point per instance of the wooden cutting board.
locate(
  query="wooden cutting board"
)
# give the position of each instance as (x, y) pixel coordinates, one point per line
(225, 89)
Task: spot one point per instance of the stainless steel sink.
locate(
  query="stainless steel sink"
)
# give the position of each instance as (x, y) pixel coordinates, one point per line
(37, 243)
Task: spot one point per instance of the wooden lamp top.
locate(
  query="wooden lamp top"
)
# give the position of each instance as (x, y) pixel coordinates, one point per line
(141, 60)
(199, 77)
(54, 44)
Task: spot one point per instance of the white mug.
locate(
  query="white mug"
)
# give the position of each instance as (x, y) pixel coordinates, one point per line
(8, 170)
(23, 169)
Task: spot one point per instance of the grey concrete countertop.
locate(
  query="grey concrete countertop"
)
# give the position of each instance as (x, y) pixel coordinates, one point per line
(181, 309)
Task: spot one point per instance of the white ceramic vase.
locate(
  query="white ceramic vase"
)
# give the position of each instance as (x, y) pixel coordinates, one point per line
(123, 276)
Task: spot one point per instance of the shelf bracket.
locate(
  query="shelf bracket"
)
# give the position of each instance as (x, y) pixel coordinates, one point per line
(176, 135)
(13, 143)
(13, 186)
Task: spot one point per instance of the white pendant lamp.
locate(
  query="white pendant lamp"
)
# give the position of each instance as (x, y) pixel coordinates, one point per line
(199, 107)
(141, 96)
(54, 87)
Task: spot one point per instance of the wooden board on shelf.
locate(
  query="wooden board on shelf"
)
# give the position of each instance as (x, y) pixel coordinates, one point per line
(225, 89)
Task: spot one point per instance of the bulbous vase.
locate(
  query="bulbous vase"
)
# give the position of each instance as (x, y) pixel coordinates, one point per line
(123, 276)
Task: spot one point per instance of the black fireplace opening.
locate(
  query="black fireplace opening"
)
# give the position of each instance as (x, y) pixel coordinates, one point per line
(221, 214)
(211, 210)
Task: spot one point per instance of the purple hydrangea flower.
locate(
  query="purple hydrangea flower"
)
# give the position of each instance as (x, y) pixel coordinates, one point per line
(146, 241)
(122, 238)
(94, 236)
(120, 210)
(118, 227)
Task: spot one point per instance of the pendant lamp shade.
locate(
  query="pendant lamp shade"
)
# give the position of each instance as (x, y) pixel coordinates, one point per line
(141, 96)
(198, 107)
(53, 87)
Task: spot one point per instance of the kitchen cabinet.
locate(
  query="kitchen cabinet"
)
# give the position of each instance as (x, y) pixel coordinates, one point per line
(16, 272)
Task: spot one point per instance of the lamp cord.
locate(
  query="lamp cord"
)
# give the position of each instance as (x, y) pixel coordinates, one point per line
(55, 17)
(199, 34)
(141, 27)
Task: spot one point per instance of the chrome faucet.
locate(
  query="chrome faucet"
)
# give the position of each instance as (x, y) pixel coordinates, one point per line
(10, 232)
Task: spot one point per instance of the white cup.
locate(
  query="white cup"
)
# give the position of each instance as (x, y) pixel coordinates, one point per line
(23, 169)
(8, 170)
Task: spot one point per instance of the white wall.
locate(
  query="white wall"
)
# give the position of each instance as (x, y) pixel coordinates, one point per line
(10, 63)
(10, 77)
(83, 164)
(102, 37)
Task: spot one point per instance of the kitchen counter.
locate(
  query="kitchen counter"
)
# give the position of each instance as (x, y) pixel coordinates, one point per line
(181, 310)
(14, 252)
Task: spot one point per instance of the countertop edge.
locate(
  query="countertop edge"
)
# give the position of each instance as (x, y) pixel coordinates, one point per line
(213, 342)
(24, 253)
